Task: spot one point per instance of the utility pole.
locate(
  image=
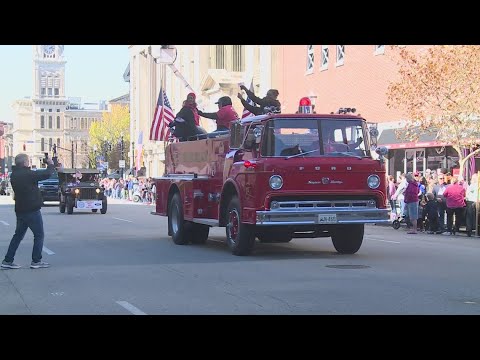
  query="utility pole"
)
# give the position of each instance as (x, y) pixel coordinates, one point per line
(73, 165)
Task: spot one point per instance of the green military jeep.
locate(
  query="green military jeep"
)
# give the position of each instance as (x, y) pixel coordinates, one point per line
(80, 188)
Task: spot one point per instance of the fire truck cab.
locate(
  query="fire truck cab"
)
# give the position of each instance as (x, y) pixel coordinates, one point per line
(276, 177)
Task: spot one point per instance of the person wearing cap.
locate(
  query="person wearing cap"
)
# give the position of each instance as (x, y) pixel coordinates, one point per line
(266, 104)
(225, 114)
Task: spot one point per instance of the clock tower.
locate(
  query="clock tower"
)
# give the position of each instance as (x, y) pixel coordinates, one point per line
(48, 72)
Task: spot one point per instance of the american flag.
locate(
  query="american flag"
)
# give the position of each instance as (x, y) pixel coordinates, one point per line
(163, 116)
(245, 112)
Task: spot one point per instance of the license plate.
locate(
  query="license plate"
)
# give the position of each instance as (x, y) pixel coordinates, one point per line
(89, 204)
(327, 219)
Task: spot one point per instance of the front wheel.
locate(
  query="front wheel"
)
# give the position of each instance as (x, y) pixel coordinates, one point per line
(347, 239)
(62, 207)
(70, 204)
(198, 233)
(240, 236)
(103, 210)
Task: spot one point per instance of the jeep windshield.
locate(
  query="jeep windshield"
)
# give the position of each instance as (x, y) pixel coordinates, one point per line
(312, 137)
(73, 179)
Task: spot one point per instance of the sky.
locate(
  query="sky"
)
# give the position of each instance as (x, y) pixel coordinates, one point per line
(93, 71)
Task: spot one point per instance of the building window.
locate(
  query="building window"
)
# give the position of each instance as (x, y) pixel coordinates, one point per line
(50, 110)
(58, 110)
(310, 59)
(50, 144)
(42, 122)
(50, 122)
(58, 122)
(379, 49)
(72, 124)
(238, 58)
(42, 144)
(42, 110)
(324, 65)
(43, 92)
(49, 91)
(340, 55)
(58, 142)
(56, 92)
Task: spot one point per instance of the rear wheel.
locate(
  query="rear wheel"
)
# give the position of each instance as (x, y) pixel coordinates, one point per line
(94, 210)
(348, 238)
(61, 206)
(240, 236)
(176, 223)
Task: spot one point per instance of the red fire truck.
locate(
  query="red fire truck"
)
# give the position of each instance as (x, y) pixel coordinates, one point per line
(276, 177)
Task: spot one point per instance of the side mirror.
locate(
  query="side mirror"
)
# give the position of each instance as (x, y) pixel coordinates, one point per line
(381, 150)
(257, 133)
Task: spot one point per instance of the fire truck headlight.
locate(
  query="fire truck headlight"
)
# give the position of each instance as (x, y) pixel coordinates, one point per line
(274, 205)
(373, 181)
(276, 182)
(77, 191)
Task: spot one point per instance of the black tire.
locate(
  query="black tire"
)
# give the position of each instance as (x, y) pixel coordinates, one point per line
(198, 233)
(94, 210)
(396, 224)
(103, 210)
(136, 198)
(61, 206)
(176, 222)
(348, 239)
(240, 237)
(69, 205)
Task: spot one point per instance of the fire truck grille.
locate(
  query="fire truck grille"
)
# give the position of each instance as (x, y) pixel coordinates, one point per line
(284, 203)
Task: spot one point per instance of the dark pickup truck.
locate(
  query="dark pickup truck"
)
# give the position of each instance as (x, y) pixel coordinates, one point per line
(49, 188)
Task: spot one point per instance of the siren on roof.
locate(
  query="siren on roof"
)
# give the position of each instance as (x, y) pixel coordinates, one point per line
(305, 106)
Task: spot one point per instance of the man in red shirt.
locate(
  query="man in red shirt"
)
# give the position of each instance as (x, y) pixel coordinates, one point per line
(225, 114)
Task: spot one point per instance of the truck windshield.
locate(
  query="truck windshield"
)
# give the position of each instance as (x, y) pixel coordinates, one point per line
(315, 137)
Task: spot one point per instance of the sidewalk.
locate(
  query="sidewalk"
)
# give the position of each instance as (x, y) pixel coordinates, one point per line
(123, 201)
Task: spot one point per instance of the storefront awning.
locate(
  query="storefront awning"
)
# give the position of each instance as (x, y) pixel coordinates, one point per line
(389, 140)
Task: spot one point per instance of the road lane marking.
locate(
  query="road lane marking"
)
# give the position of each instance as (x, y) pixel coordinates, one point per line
(48, 251)
(122, 220)
(393, 242)
(130, 307)
(4, 223)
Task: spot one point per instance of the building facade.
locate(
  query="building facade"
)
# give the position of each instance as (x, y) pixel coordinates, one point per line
(211, 71)
(357, 76)
(49, 117)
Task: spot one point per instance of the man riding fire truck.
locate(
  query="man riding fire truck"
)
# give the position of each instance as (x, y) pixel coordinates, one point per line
(276, 177)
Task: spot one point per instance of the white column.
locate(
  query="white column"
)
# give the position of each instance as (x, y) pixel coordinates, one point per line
(249, 62)
(196, 68)
(265, 69)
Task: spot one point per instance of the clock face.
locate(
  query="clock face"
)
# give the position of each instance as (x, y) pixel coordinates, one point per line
(49, 49)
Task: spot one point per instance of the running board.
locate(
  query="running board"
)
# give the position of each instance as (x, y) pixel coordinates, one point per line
(209, 222)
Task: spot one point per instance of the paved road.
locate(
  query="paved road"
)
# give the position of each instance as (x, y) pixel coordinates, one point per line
(124, 263)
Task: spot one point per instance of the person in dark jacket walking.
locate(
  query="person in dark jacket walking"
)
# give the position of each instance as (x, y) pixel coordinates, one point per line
(225, 114)
(28, 202)
(187, 121)
(268, 104)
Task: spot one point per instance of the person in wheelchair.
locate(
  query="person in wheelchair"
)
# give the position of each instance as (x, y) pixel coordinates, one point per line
(430, 215)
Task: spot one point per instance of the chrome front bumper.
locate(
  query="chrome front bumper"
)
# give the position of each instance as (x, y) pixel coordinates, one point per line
(322, 216)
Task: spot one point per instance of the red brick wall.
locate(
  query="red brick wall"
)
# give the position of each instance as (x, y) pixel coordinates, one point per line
(361, 82)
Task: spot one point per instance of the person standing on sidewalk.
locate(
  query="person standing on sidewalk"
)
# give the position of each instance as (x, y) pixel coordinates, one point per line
(28, 202)
(411, 202)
